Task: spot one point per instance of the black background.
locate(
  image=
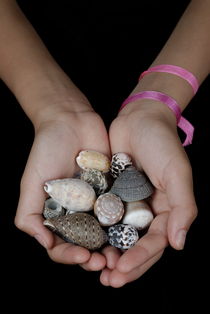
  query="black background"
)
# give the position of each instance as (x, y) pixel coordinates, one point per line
(103, 46)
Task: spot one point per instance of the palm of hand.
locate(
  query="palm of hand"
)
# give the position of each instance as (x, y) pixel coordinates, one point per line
(56, 145)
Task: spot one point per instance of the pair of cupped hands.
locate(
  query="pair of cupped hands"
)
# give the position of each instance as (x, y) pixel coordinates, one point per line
(144, 129)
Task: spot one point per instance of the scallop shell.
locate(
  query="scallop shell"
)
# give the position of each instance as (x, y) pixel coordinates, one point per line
(109, 209)
(120, 161)
(123, 236)
(89, 159)
(52, 209)
(96, 179)
(132, 185)
(73, 194)
(138, 214)
(79, 228)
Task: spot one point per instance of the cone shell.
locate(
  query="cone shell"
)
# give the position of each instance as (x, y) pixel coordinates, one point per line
(89, 159)
(52, 209)
(132, 185)
(109, 209)
(79, 228)
(120, 161)
(123, 236)
(72, 194)
(138, 214)
(96, 179)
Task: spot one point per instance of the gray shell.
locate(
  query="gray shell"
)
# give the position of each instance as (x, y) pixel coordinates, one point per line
(80, 228)
(96, 179)
(120, 161)
(123, 236)
(132, 185)
(52, 209)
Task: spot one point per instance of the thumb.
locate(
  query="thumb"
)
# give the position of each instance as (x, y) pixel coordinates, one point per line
(29, 213)
(179, 189)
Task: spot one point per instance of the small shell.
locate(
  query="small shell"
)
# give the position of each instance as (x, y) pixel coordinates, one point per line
(72, 194)
(52, 209)
(120, 161)
(96, 179)
(132, 185)
(79, 228)
(123, 236)
(109, 209)
(89, 159)
(138, 214)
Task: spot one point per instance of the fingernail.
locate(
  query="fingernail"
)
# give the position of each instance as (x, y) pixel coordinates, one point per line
(180, 238)
(40, 240)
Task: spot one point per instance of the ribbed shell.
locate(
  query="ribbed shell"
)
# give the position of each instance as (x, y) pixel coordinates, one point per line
(109, 209)
(123, 236)
(80, 228)
(132, 185)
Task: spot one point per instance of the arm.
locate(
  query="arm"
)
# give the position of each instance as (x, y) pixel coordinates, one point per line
(29, 70)
(146, 130)
(63, 119)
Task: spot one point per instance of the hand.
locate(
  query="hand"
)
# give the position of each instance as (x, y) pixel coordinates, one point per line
(147, 132)
(57, 143)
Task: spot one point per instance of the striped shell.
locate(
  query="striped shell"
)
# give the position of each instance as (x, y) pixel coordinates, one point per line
(89, 159)
(52, 209)
(79, 228)
(138, 214)
(73, 194)
(109, 209)
(120, 161)
(123, 236)
(132, 185)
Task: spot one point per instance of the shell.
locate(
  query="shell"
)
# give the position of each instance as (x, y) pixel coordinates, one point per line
(120, 161)
(132, 185)
(79, 228)
(138, 214)
(89, 159)
(109, 209)
(123, 236)
(73, 194)
(52, 209)
(96, 179)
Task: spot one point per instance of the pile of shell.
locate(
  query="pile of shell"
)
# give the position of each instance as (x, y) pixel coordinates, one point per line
(117, 207)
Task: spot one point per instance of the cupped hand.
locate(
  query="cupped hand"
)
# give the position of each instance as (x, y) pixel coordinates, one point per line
(146, 130)
(57, 142)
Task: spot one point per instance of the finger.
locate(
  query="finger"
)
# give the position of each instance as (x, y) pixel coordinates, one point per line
(104, 277)
(96, 262)
(29, 214)
(67, 253)
(112, 256)
(148, 246)
(117, 279)
(179, 189)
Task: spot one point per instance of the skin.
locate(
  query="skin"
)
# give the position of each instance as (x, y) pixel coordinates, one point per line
(56, 108)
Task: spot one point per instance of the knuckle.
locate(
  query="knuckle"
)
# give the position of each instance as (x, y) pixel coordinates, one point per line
(19, 223)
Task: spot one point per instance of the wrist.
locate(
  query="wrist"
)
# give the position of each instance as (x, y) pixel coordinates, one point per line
(47, 93)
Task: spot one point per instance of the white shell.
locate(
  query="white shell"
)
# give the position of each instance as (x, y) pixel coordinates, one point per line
(109, 209)
(120, 161)
(89, 159)
(138, 214)
(73, 194)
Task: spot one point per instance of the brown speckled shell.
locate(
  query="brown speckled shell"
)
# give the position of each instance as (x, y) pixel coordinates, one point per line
(80, 228)
(132, 185)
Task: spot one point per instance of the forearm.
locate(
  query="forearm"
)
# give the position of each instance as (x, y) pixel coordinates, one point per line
(188, 47)
(29, 70)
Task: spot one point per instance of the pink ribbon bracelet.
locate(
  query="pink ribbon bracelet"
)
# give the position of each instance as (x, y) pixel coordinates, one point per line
(182, 123)
(174, 69)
